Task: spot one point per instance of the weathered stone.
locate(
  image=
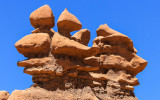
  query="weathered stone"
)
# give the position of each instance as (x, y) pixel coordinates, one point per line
(51, 32)
(63, 45)
(4, 95)
(64, 67)
(105, 30)
(42, 17)
(67, 23)
(93, 61)
(116, 39)
(82, 36)
(34, 44)
(138, 65)
(35, 62)
(37, 93)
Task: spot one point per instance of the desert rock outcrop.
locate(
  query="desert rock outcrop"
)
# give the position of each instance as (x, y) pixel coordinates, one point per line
(63, 67)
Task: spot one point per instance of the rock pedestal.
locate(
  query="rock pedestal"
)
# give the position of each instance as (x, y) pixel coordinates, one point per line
(63, 67)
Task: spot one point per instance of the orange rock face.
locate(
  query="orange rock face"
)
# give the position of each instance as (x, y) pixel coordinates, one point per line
(63, 67)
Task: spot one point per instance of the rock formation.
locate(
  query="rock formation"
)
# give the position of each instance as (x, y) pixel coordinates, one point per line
(4, 95)
(63, 67)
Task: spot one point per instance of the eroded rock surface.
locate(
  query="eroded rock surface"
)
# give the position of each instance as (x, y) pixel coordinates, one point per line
(42, 17)
(4, 95)
(63, 67)
(67, 23)
(34, 44)
(82, 36)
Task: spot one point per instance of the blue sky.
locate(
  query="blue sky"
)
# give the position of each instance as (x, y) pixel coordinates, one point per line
(138, 19)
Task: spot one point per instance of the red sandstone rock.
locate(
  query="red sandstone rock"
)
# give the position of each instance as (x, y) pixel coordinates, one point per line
(82, 36)
(138, 64)
(63, 45)
(37, 93)
(35, 62)
(42, 17)
(64, 68)
(105, 30)
(34, 44)
(114, 40)
(93, 61)
(67, 23)
(47, 30)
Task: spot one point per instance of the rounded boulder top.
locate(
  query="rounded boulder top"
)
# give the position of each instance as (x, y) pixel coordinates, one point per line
(67, 22)
(105, 30)
(42, 17)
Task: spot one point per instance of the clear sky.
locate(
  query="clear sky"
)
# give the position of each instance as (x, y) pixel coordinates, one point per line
(138, 19)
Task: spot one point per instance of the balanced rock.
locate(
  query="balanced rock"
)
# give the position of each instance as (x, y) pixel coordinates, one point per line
(34, 44)
(42, 17)
(67, 23)
(82, 36)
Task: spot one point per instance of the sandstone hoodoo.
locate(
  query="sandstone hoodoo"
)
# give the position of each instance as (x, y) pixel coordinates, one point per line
(67, 23)
(63, 67)
(42, 17)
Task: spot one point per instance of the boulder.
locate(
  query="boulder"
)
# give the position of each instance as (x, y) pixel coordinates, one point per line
(34, 44)
(42, 17)
(105, 30)
(63, 45)
(82, 36)
(67, 23)
(4, 95)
